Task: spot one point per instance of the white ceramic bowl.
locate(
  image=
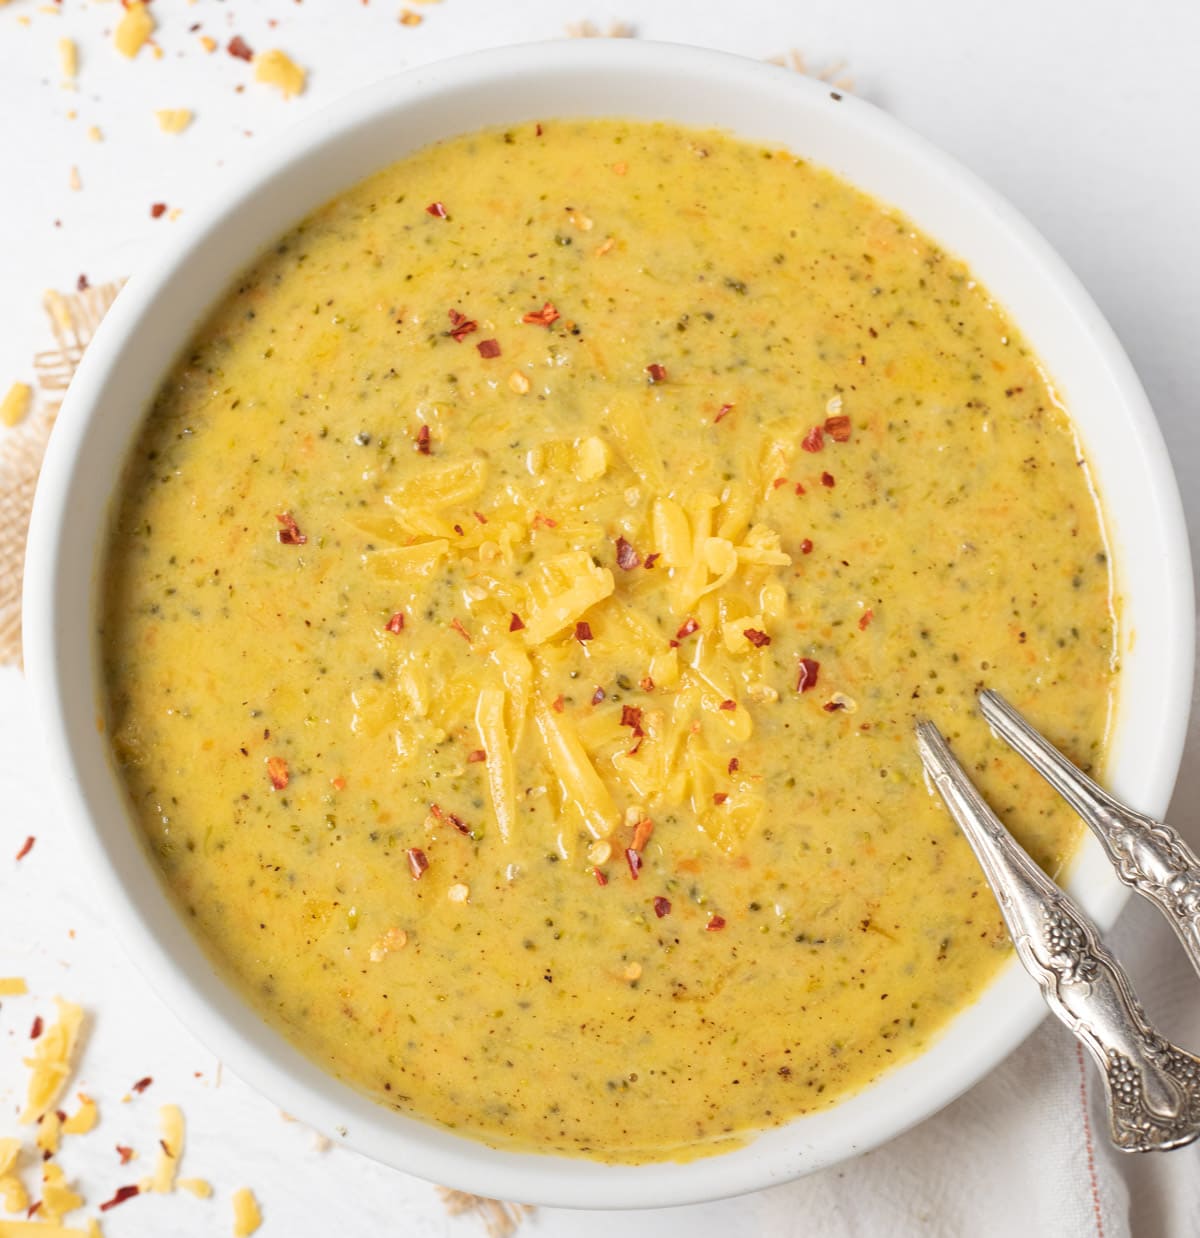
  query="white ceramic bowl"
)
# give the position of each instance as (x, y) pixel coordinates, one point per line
(159, 309)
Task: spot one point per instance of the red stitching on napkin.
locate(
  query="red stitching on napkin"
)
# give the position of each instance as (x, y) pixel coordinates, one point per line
(1090, 1146)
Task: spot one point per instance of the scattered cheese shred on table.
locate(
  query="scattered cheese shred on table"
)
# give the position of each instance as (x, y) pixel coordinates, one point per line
(13, 408)
(13, 1193)
(275, 68)
(173, 119)
(197, 1186)
(134, 28)
(12, 986)
(49, 1130)
(83, 1119)
(10, 1150)
(34, 1229)
(246, 1216)
(51, 1061)
(170, 1149)
(68, 58)
(57, 1198)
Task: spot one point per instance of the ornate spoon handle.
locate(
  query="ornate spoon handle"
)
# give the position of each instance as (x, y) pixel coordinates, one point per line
(1147, 855)
(1153, 1087)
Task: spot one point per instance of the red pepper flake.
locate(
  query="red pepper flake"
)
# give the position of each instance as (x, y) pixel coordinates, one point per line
(734, 765)
(277, 772)
(715, 924)
(475, 756)
(779, 481)
(814, 440)
(35, 1207)
(831, 707)
(634, 860)
(868, 615)
(26, 847)
(543, 317)
(480, 517)
(81, 284)
(289, 533)
(395, 623)
(658, 373)
(662, 907)
(417, 863)
(123, 1193)
(641, 834)
(422, 441)
(583, 631)
(601, 876)
(458, 529)
(126, 1154)
(488, 348)
(686, 628)
(538, 129)
(460, 325)
(800, 489)
(158, 210)
(627, 557)
(807, 676)
(557, 704)
(651, 560)
(838, 428)
(827, 479)
(238, 47)
(806, 546)
(515, 623)
(598, 695)
(36, 1030)
(143, 1083)
(539, 520)
(339, 784)
(719, 797)
(456, 626)
(722, 413)
(646, 683)
(728, 705)
(631, 716)
(437, 210)
(756, 638)
(451, 818)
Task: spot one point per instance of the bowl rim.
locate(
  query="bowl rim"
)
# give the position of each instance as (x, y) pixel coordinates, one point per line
(53, 647)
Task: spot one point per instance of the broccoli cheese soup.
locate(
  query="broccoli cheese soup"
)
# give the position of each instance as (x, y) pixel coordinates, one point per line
(517, 610)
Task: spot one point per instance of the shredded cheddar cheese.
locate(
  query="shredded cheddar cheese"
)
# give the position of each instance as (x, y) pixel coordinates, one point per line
(83, 1119)
(68, 58)
(13, 408)
(13, 986)
(49, 1131)
(40, 1229)
(58, 1199)
(170, 1149)
(134, 28)
(246, 1215)
(173, 120)
(52, 1061)
(275, 68)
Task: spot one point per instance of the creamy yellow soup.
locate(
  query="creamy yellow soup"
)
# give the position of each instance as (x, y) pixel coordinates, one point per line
(517, 611)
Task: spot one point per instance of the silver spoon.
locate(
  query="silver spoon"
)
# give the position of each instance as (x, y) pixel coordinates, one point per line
(1152, 1086)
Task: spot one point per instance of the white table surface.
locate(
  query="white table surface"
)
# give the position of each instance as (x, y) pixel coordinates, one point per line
(1083, 114)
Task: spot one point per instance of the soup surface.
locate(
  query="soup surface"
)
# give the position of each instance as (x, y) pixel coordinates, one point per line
(517, 612)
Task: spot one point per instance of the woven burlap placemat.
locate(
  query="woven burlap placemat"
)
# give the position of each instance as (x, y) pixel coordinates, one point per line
(74, 317)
